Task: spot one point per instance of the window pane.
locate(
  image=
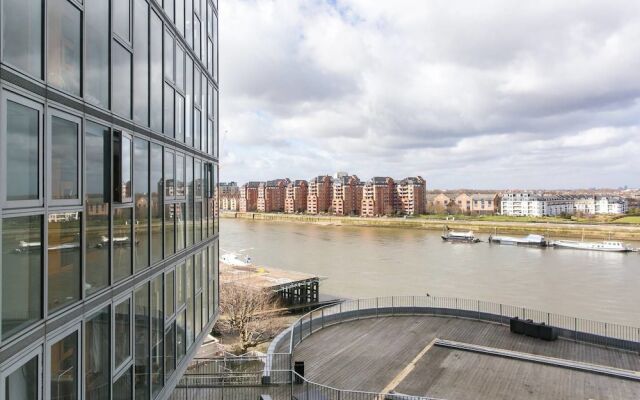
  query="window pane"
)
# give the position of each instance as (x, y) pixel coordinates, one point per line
(141, 62)
(180, 285)
(198, 221)
(188, 27)
(97, 63)
(168, 110)
(210, 137)
(122, 387)
(97, 356)
(196, 36)
(23, 126)
(169, 53)
(96, 144)
(121, 104)
(181, 336)
(180, 16)
(180, 68)
(197, 85)
(23, 383)
(198, 272)
(169, 283)
(21, 272)
(189, 284)
(63, 48)
(180, 226)
(122, 251)
(189, 210)
(64, 368)
(156, 203)
(22, 35)
(188, 131)
(142, 343)
(179, 178)
(170, 349)
(179, 117)
(156, 73)
(64, 159)
(141, 187)
(169, 226)
(157, 335)
(196, 128)
(210, 56)
(169, 177)
(198, 315)
(63, 259)
(122, 164)
(121, 18)
(122, 341)
(168, 8)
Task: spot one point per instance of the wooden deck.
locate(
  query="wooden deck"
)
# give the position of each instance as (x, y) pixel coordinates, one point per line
(371, 355)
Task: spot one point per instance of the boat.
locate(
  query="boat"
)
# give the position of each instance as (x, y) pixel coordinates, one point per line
(609, 246)
(529, 240)
(234, 260)
(466, 237)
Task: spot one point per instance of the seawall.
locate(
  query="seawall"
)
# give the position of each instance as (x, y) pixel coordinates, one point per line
(549, 229)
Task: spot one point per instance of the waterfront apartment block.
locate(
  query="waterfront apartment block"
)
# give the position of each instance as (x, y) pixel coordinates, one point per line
(347, 195)
(109, 168)
(598, 205)
(319, 195)
(230, 202)
(485, 203)
(249, 197)
(411, 196)
(271, 195)
(536, 205)
(228, 188)
(378, 197)
(296, 197)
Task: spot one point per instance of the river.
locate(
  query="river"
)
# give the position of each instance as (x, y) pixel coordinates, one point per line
(367, 262)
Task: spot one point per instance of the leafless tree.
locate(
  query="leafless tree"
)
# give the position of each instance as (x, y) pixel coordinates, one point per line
(249, 313)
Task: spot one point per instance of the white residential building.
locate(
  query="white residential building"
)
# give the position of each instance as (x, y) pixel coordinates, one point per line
(535, 205)
(601, 205)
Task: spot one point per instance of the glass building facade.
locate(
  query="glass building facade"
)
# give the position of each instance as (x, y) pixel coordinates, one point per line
(108, 168)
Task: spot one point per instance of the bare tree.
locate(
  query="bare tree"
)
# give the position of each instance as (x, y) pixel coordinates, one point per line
(249, 313)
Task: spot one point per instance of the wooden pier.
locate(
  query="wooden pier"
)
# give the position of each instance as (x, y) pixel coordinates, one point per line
(293, 288)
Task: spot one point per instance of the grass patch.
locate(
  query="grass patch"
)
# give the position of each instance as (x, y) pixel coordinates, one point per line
(628, 220)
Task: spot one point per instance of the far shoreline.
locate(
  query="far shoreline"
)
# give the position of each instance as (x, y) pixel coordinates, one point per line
(599, 231)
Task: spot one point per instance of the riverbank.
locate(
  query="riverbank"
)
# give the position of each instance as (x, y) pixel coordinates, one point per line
(549, 229)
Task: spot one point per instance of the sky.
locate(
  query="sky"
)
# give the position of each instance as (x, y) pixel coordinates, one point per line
(476, 93)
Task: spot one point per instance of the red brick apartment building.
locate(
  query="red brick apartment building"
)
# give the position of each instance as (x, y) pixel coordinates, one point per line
(249, 197)
(378, 197)
(411, 195)
(319, 196)
(347, 195)
(296, 197)
(271, 195)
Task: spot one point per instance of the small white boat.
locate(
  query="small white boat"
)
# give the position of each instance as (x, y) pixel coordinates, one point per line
(610, 246)
(466, 237)
(529, 240)
(234, 261)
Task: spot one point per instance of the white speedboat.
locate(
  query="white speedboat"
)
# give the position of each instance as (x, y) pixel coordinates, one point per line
(466, 237)
(234, 260)
(529, 240)
(610, 246)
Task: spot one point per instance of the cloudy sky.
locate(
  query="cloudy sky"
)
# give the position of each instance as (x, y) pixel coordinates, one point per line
(475, 93)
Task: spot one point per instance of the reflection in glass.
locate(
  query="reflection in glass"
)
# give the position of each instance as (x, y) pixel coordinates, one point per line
(169, 53)
(64, 368)
(63, 269)
(64, 47)
(198, 315)
(189, 209)
(179, 179)
(141, 62)
(121, 18)
(122, 387)
(97, 52)
(180, 16)
(197, 269)
(157, 335)
(189, 293)
(188, 13)
(188, 132)
(196, 128)
(170, 349)
(210, 136)
(155, 66)
(169, 283)
(156, 202)
(22, 141)
(197, 175)
(122, 338)
(121, 71)
(96, 147)
(168, 8)
(179, 117)
(141, 327)
(198, 221)
(21, 272)
(181, 336)
(169, 177)
(179, 68)
(169, 227)
(23, 383)
(64, 159)
(180, 284)
(22, 35)
(169, 109)
(122, 249)
(196, 36)
(141, 188)
(180, 225)
(97, 356)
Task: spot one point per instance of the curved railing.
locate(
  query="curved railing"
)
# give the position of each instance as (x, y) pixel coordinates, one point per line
(571, 328)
